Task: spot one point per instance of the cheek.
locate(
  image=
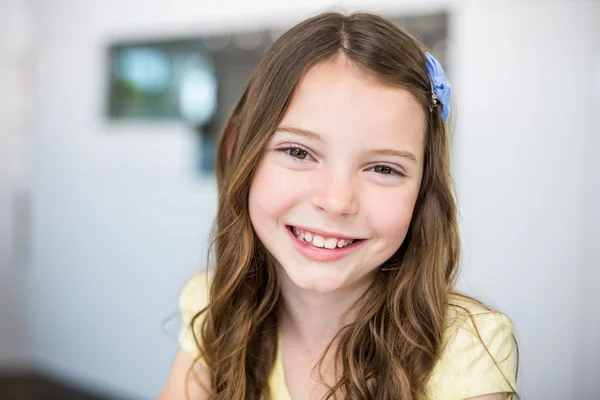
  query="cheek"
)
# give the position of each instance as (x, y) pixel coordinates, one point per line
(390, 214)
(272, 194)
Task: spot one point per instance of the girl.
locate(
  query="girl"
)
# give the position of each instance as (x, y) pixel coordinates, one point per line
(336, 242)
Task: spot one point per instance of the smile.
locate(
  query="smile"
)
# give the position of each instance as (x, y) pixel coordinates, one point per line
(322, 248)
(320, 241)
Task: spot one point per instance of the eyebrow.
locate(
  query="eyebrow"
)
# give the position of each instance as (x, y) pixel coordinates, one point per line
(398, 153)
(315, 136)
(301, 132)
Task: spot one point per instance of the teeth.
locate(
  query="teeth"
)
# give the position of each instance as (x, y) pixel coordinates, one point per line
(320, 241)
(331, 243)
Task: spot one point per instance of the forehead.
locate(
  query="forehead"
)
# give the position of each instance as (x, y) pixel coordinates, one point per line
(337, 99)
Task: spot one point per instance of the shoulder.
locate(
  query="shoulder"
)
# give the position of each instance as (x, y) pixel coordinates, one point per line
(462, 304)
(194, 294)
(193, 298)
(464, 312)
(478, 355)
(473, 326)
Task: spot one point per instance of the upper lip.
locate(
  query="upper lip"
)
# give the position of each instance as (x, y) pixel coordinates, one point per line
(324, 233)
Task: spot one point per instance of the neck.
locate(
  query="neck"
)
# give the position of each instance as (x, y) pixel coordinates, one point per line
(314, 318)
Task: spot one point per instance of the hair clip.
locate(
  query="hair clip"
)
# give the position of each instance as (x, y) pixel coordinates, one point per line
(434, 99)
(440, 87)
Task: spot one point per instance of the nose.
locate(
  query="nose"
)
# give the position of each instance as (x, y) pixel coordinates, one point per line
(335, 194)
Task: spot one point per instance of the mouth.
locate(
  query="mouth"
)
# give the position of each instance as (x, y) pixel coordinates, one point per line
(322, 242)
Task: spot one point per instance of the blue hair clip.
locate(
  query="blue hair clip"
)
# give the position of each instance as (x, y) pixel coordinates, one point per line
(440, 87)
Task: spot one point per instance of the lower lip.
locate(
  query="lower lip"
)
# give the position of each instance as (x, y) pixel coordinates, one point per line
(322, 254)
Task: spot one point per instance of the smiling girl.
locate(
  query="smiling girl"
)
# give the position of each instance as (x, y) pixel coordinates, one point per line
(336, 242)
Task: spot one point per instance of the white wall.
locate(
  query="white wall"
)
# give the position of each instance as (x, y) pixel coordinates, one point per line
(15, 78)
(587, 368)
(522, 167)
(120, 219)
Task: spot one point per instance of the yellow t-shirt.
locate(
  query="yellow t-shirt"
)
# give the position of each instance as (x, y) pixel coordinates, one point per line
(464, 369)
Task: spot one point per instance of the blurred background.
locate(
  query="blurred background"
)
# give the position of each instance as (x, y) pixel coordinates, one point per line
(108, 114)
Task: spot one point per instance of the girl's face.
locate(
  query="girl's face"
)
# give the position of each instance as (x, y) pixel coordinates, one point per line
(334, 192)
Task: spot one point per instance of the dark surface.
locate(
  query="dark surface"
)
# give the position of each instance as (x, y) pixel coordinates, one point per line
(35, 386)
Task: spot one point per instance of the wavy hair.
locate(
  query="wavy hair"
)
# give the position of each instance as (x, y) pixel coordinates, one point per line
(389, 351)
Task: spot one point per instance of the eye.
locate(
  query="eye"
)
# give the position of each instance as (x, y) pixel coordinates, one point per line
(295, 152)
(387, 170)
(383, 169)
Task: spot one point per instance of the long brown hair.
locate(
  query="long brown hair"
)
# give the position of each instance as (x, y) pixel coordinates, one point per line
(389, 351)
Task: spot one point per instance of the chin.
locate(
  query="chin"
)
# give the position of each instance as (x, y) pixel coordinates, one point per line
(316, 278)
(319, 286)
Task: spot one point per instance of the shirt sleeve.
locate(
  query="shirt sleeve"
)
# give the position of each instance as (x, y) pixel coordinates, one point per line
(475, 364)
(192, 299)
